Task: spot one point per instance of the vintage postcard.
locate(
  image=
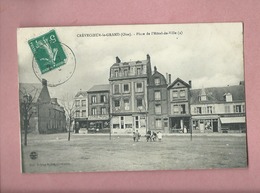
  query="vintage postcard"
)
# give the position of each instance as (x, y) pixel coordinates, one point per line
(132, 97)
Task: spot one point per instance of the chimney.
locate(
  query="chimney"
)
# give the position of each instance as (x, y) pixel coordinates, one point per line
(190, 83)
(170, 78)
(118, 60)
(44, 82)
(167, 78)
(148, 57)
(155, 68)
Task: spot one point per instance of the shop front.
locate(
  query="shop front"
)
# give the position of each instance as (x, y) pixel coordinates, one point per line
(233, 124)
(179, 124)
(205, 124)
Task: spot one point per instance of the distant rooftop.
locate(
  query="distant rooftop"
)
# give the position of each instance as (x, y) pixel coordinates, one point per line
(100, 87)
(216, 94)
(83, 93)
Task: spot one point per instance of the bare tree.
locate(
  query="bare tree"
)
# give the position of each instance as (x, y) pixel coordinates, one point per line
(27, 99)
(68, 104)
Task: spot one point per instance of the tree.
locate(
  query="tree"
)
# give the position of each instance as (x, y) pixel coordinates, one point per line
(68, 104)
(27, 97)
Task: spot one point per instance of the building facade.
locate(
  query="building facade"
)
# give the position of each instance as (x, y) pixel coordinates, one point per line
(158, 103)
(179, 106)
(81, 111)
(128, 90)
(46, 115)
(218, 109)
(98, 109)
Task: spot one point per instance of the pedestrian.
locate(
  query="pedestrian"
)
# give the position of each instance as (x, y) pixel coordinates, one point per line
(134, 136)
(159, 136)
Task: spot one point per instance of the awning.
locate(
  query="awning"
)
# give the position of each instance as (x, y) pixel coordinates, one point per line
(226, 120)
(205, 117)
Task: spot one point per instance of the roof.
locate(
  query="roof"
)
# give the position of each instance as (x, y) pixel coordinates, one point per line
(130, 63)
(83, 93)
(33, 89)
(100, 87)
(216, 94)
(181, 81)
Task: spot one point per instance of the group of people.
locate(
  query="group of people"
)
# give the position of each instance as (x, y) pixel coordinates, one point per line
(150, 136)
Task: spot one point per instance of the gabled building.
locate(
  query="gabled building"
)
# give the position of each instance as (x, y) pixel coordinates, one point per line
(46, 115)
(158, 103)
(98, 108)
(179, 106)
(128, 90)
(81, 110)
(218, 109)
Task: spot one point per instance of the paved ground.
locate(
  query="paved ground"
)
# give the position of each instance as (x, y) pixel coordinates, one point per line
(97, 153)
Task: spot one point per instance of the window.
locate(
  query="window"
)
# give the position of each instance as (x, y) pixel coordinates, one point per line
(117, 103)
(239, 108)
(158, 109)
(77, 113)
(158, 123)
(138, 71)
(183, 109)
(227, 109)
(157, 81)
(182, 93)
(174, 94)
(126, 104)
(139, 87)
(209, 110)
(116, 88)
(126, 87)
(199, 110)
(116, 73)
(93, 111)
(103, 110)
(157, 95)
(128, 126)
(122, 122)
(202, 98)
(93, 99)
(77, 103)
(116, 126)
(83, 103)
(136, 122)
(175, 109)
(125, 72)
(103, 99)
(139, 102)
(83, 113)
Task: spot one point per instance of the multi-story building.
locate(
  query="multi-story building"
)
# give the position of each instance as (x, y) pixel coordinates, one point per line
(98, 108)
(128, 90)
(179, 106)
(158, 103)
(44, 113)
(81, 110)
(218, 109)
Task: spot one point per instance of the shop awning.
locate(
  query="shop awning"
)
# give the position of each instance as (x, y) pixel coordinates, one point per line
(226, 120)
(205, 117)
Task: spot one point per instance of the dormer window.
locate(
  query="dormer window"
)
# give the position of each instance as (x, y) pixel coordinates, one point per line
(116, 73)
(228, 97)
(125, 72)
(203, 98)
(157, 81)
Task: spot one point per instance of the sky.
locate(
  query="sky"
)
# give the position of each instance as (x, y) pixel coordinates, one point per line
(209, 54)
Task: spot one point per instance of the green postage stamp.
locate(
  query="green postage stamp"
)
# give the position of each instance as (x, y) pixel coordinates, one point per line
(48, 51)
